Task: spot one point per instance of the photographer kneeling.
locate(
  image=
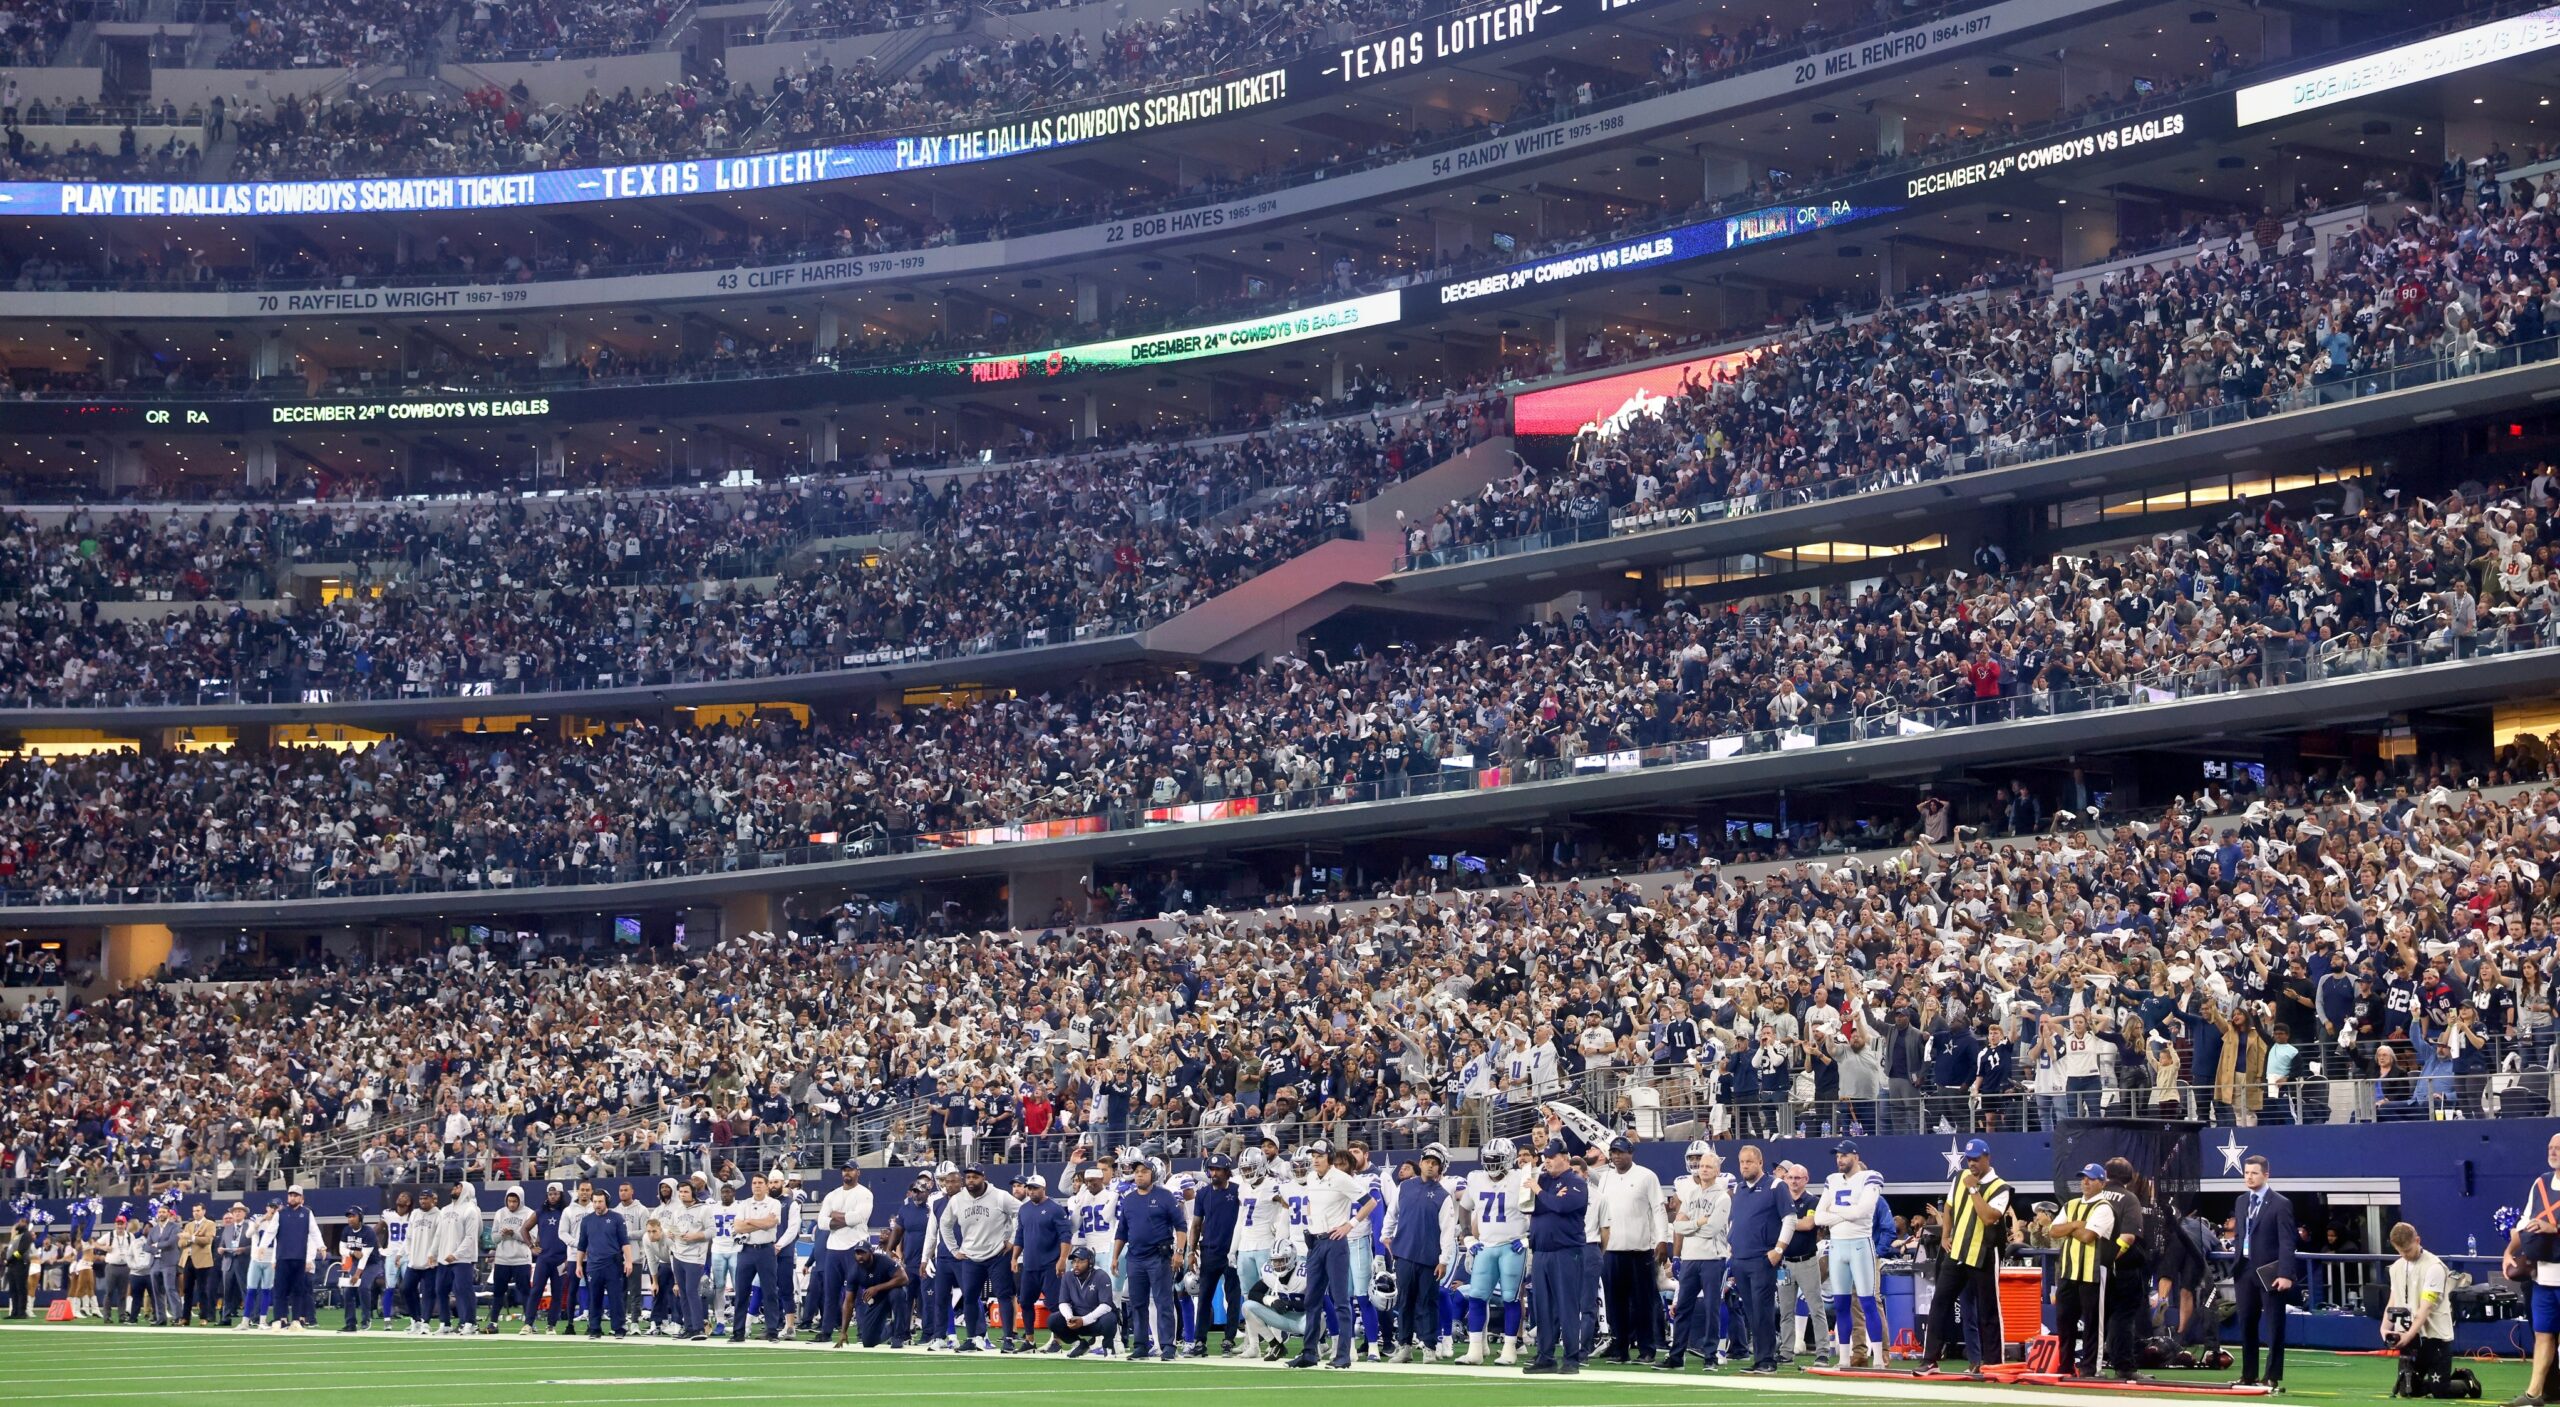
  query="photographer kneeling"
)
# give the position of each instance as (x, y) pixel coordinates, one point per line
(2418, 1322)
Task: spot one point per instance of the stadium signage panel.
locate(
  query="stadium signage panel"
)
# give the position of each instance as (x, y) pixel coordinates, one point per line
(2348, 79)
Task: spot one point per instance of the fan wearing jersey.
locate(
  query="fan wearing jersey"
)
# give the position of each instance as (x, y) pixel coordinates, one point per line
(1494, 1210)
(1850, 1202)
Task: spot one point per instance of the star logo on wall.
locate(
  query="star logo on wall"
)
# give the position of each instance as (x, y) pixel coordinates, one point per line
(2232, 1151)
(1955, 1158)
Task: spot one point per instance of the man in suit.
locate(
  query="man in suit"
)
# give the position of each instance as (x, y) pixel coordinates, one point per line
(195, 1267)
(164, 1267)
(2269, 1269)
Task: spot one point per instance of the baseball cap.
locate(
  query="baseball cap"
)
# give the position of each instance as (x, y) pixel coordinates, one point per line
(1221, 1163)
(296, 1190)
(1035, 1180)
(1977, 1147)
(1555, 1148)
(1081, 1253)
(555, 1187)
(2095, 1171)
(1621, 1145)
(973, 1170)
(1846, 1145)
(1095, 1173)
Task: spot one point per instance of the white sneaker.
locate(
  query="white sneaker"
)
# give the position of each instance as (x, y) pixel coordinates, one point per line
(1403, 1354)
(1510, 1352)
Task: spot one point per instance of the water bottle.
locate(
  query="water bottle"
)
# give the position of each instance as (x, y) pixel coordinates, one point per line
(2471, 1245)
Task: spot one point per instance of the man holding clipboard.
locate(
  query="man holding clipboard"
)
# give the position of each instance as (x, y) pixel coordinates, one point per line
(2269, 1269)
(2533, 1256)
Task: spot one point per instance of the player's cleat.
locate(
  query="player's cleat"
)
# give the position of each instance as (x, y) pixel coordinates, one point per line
(1510, 1351)
(1475, 1351)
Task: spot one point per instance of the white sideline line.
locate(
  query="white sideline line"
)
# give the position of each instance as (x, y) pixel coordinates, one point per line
(1836, 1389)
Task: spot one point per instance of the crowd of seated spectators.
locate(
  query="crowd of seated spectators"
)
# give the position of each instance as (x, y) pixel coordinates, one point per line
(327, 33)
(2271, 599)
(1042, 554)
(31, 30)
(2384, 940)
(1919, 392)
(553, 29)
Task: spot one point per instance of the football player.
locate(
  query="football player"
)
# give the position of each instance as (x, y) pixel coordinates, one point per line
(1494, 1213)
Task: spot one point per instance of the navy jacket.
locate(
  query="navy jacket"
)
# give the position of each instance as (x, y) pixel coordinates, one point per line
(1759, 1216)
(915, 1222)
(1149, 1221)
(1419, 1201)
(1040, 1229)
(1081, 1295)
(603, 1239)
(1555, 1219)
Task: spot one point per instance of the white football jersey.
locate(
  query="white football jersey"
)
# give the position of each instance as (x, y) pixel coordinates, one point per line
(1500, 1202)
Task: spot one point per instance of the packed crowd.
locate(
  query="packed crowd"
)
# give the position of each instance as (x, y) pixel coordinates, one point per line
(2272, 599)
(2384, 942)
(1916, 393)
(1041, 554)
(473, 546)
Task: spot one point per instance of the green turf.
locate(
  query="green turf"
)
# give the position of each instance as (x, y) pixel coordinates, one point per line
(164, 1368)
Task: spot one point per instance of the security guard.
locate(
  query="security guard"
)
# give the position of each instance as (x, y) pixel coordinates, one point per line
(2085, 1230)
(2123, 1273)
(1556, 1216)
(1975, 1216)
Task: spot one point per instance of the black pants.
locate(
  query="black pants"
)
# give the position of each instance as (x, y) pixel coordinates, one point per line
(17, 1288)
(510, 1284)
(2261, 1313)
(2075, 1324)
(1216, 1270)
(1633, 1302)
(2125, 1305)
(1977, 1289)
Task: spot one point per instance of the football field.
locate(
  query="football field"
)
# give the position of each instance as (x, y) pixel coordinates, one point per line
(95, 1364)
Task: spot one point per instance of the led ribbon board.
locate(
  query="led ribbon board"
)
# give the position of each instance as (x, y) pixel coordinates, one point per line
(1431, 42)
(749, 394)
(2348, 79)
(1885, 196)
